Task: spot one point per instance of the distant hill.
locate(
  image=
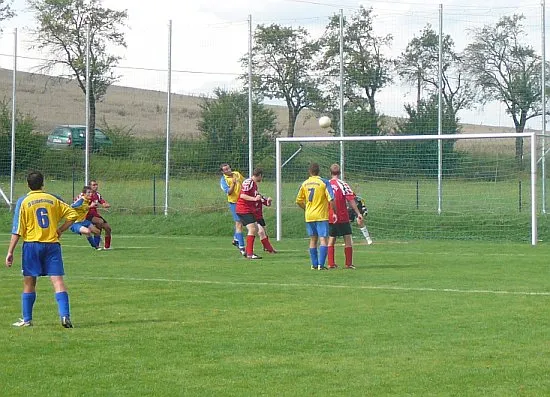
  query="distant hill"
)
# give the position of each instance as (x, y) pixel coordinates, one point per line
(54, 101)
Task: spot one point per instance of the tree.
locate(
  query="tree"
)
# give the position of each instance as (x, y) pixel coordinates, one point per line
(366, 68)
(62, 30)
(283, 61)
(5, 11)
(224, 125)
(419, 65)
(508, 71)
(423, 120)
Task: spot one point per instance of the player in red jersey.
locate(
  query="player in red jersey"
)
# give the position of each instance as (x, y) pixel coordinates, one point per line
(247, 207)
(262, 232)
(94, 216)
(342, 195)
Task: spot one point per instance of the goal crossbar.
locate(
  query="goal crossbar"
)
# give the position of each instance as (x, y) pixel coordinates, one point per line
(441, 137)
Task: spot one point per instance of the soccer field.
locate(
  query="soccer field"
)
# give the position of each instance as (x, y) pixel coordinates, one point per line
(188, 316)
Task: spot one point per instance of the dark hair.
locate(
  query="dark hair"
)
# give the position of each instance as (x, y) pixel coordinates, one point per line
(314, 169)
(258, 172)
(35, 180)
(221, 167)
(85, 188)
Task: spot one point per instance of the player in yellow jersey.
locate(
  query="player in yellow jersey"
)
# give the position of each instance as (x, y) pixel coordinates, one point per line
(82, 225)
(231, 183)
(315, 196)
(36, 219)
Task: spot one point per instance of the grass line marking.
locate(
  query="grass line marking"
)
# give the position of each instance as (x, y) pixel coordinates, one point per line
(316, 285)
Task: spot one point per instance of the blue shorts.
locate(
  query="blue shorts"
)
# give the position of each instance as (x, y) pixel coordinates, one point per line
(233, 209)
(319, 228)
(75, 227)
(42, 259)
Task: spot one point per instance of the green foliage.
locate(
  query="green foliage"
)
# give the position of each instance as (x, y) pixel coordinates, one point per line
(422, 156)
(508, 71)
(283, 59)
(224, 125)
(366, 69)
(29, 145)
(122, 139)
(6, 12)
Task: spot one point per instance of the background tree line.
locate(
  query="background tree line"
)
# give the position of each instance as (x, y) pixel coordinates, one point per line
(303, 73)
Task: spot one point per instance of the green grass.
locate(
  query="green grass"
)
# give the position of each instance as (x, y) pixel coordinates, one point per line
(165, 315)
(405, 209)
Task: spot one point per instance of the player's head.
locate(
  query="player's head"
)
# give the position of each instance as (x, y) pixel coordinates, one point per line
(258, 174)
(94, 185)
(314, 169)
(226, 169)
(87, 191)
(334, 170)
(35, 180)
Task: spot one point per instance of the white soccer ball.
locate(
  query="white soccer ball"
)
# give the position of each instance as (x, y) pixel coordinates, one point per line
(324, 122)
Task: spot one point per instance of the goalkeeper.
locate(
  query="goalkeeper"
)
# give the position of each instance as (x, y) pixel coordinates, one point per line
(360, 221)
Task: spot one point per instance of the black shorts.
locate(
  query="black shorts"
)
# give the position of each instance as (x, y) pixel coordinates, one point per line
(261, 222)
(339, 229)
(89, 218)
(247, 219)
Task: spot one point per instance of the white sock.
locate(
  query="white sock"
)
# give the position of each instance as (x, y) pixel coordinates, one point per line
(365, 231)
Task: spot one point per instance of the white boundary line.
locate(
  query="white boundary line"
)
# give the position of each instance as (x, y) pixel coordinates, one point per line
(298, 285)
(313, 285)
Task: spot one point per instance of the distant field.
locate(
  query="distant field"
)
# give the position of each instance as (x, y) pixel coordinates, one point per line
(57, 101)
(189, 316)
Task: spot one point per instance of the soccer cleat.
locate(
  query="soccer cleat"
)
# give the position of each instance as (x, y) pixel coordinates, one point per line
(333, 267)
(369, 241)
(318, 268)
(242, 251)
(351, 267)
(273, 251)
(22, 323)
(66, 322)
(235, 243)
(107, 248)
(253, 256)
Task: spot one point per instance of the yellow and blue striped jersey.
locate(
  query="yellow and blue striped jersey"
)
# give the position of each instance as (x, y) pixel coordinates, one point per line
(227, 181)
(316, 194)
(37, 215)
(81, 206)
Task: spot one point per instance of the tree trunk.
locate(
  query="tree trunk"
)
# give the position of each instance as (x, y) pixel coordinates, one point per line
(519, 146)
(291, 121)
(418, 89)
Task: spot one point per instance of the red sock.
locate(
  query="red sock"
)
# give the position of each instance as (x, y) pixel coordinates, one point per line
(331, 256)
(107, 241)
(267, 245)
(250, 245)
(348, 252)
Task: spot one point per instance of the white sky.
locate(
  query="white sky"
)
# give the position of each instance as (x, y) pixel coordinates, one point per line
(210, 36)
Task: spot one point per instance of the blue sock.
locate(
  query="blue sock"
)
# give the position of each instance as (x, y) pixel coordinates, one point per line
(62, 299)
(97, 240)
(27, 302)
(91, 241)
(323, 251)
(313, 256)
(240, 239)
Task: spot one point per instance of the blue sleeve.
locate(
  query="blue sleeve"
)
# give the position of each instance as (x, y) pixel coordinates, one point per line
(78, 203)
(329, 188)
(224, 185)
(16, 212)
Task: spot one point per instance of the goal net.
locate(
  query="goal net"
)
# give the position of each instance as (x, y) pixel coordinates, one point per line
(463, 186)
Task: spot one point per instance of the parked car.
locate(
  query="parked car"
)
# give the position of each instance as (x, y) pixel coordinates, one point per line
(74, 136)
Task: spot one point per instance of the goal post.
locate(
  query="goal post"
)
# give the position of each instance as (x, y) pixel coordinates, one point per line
(486, 163)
